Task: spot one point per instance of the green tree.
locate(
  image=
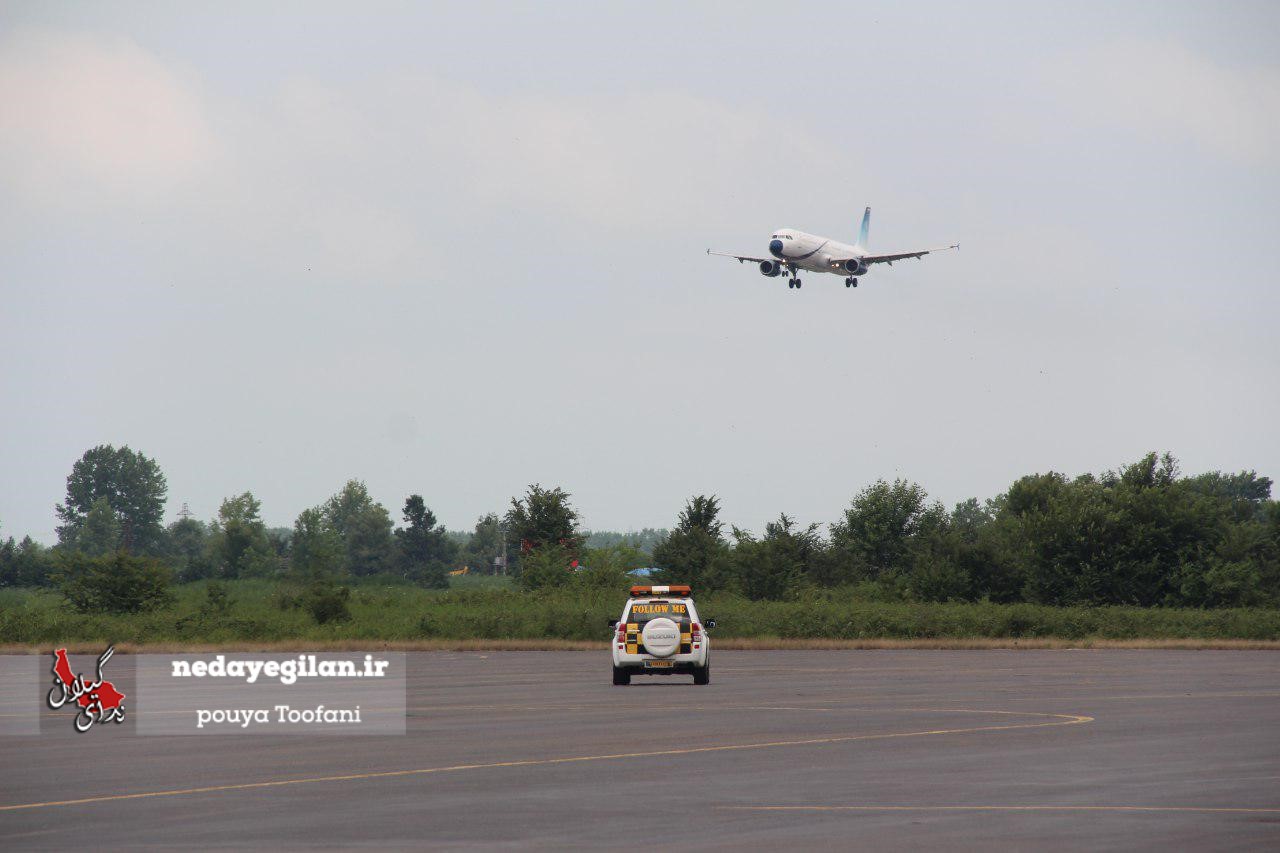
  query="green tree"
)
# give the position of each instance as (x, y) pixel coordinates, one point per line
(645, 540)
(317, 555)
(424, 549)
(347, 505)
(1244, 568)
(606, 567)
(133, 486)
(546, 567)
(370, 546)
(543, 518)
(28, 563)
(695, 552)
(874, 539)
(1141, 536)
(969, 518)
(1246, 493)
(702, 512)
(1038, 524)
(776, 566)
(941, 559)
(281, 539)
(238, 540)
(188, 548)
(485, 544)
(365, 528)
(114, 583)
(316, 548)
(101, 532)
(8, 554)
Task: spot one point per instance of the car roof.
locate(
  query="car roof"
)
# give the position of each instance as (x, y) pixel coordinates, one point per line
(662, 599)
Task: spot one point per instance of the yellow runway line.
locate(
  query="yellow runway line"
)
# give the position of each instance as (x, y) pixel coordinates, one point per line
(1057, 720)
(898, 808)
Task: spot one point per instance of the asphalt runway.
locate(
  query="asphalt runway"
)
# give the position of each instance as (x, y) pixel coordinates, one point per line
(788, 749)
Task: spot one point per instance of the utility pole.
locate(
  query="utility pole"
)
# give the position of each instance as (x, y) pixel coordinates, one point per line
(502, 532)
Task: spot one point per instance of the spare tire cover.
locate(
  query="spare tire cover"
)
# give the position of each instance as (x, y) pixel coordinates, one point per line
(661, 637)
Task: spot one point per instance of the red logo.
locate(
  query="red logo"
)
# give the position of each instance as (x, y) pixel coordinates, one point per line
(99, 700)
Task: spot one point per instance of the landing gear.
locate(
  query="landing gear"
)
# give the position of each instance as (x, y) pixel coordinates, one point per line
(791, 283)
(797, 281)
(850, 282)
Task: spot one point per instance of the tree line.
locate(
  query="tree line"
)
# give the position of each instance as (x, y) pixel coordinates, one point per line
(1141, 535)
(111, 537)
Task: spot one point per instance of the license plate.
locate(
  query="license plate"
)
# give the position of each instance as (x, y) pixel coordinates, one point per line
(659, 664)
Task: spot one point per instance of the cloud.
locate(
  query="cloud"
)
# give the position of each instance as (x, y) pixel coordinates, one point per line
(1160, 87)
(443, 152)
(359, 175)
(638, 158)
(371, 178)
(94, 112)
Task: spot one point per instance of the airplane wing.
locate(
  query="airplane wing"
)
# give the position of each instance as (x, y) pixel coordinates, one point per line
(741, 258)
(901, 256)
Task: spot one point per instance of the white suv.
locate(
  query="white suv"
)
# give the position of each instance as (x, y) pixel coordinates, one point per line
(660, 634)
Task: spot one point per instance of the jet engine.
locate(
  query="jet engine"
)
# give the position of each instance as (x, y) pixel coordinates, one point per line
(773, 269)
(853, 266)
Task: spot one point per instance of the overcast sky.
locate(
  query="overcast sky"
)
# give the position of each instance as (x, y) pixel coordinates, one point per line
(457, 249)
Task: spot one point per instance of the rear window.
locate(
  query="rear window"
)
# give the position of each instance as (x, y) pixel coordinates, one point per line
(642, 612)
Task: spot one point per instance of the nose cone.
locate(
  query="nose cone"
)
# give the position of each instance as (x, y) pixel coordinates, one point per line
(775, 248)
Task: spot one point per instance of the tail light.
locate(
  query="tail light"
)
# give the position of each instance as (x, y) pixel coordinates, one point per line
(622, 631)
(695, 632)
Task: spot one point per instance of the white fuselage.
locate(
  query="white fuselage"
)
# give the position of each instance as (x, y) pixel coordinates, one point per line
(809, 251)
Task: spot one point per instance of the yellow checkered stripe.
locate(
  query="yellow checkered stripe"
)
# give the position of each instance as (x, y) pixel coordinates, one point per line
(633, 638)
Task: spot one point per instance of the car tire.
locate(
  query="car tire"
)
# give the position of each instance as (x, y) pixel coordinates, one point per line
(702, 674)
(621, 676)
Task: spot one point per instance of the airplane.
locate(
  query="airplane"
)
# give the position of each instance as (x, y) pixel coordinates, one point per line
(794, 250)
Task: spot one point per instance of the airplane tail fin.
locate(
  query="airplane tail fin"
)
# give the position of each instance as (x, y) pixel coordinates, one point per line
(866, 226)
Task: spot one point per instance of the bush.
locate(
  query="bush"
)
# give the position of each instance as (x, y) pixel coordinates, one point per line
(217, 599)
(327, 602)
(115, 583)
(322, 610)
(606, 568)
(545, 568)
